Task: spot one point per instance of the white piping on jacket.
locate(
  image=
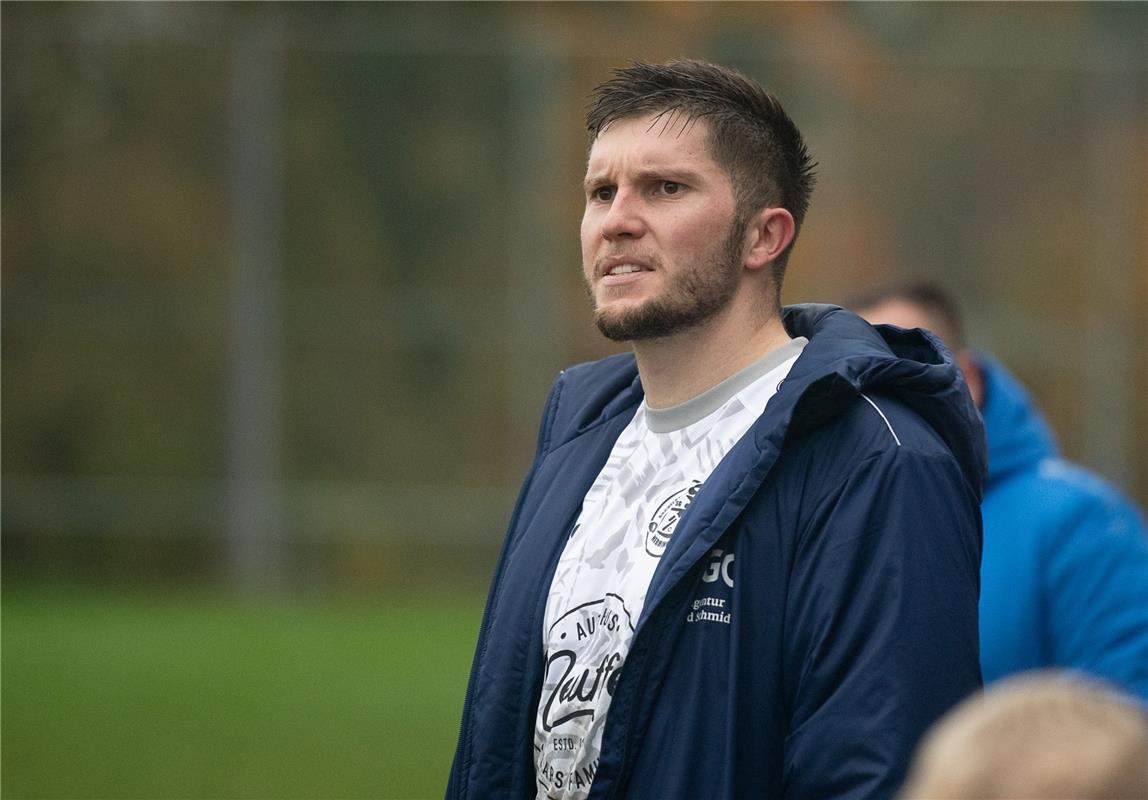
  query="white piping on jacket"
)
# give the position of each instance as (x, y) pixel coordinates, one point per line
(882, 413)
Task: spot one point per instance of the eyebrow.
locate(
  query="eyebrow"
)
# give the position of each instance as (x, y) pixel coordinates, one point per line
(684, 174)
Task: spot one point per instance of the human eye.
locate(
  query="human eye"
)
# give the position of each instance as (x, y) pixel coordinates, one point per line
(602, 194)
(671, 187)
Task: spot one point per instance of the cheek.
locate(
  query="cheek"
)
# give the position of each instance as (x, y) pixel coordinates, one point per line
(589, 240)
(692, 236)
(702, 232)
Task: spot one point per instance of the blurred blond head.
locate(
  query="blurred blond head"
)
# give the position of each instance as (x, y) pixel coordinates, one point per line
(1042, 736)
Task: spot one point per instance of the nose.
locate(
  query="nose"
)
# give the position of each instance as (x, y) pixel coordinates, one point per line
(624, 220)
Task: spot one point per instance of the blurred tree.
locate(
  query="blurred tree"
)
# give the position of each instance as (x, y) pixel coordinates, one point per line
(426, 259)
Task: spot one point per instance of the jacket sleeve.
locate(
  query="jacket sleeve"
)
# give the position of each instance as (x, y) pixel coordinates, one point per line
(881, 622)
(1096, 591)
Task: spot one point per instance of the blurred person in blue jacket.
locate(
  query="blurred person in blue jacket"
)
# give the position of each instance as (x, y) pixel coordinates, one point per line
(1064, 574)
(745, 560)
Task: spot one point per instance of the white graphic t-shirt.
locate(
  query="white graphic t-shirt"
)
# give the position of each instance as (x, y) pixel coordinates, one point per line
(658, 465)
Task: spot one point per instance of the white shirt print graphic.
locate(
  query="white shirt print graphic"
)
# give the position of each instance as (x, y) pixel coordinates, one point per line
(598, 591)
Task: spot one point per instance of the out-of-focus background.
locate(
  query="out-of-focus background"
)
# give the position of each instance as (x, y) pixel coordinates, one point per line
(284, 286)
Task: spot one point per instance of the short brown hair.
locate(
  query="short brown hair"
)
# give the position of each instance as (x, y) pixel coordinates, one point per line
(931, 298)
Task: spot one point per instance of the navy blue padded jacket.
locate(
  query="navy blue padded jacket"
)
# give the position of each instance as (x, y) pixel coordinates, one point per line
(847, 522)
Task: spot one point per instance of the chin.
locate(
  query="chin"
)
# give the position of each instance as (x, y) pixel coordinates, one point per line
(617, 312)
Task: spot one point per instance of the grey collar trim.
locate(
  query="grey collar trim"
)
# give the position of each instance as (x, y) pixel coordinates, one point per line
(673, 418)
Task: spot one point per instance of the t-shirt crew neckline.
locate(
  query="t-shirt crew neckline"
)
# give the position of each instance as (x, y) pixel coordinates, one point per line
(673, 418)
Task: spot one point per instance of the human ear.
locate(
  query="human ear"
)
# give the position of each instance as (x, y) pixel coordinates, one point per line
(769, 232)
(974, 376)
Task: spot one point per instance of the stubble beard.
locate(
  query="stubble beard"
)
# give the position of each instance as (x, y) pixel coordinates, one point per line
(692, 298)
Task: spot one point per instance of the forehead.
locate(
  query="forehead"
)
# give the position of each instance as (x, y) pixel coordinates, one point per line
(652, 140)
(899, 312)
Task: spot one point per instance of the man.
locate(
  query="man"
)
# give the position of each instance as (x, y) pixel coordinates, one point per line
(1064, 578)
(744, 562)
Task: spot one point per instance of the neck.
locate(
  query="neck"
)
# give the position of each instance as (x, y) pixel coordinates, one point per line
(677, 368)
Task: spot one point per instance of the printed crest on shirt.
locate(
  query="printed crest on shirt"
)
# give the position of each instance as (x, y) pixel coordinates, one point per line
(661, 526)
(584, 661)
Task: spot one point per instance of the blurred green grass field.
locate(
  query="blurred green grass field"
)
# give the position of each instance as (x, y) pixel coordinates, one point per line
(193, 695)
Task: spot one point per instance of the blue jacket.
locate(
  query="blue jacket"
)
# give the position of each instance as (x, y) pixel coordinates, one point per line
(850, 509)
(1065, 570)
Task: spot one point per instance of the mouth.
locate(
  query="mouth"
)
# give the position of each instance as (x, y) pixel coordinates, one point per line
(626, 269)
(616, 266)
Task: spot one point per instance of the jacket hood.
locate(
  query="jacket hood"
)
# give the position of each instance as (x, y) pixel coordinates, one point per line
(1019, 436)
(847, 355)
